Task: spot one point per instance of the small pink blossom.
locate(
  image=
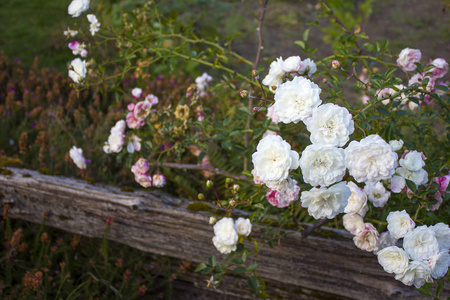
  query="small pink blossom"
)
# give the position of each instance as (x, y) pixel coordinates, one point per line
(284, 199)
(440, 68)
(78, 48)
(407, 59)
(443, 182)
(132, 122)
(143, 179)
(141, 166)
(159, 180)
(131, 107)
(419, 78)
(335, 64)
(272, 115)
(152, 99)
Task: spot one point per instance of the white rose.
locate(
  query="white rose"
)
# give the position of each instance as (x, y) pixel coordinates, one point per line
(308, 67)
(159, 180)
(77, 70)
(417, 273)
(396, 145)
(439, 264)
(413, 161)
(136, 92)
(76, 154)
(275, 76)
(353, 223)
(326, 203)
(393, 260)
(295, 100)
(76, 7)
(418, 177)
(330, 124)
(119, 127)
(222, 247)
(442, 233)
(243, 226)
(371, 159)
(399, 223)
(398, 183)
(226, 237)
(421, 243)
(367, 239)
(377, 194)
(291, 64)
(273, 159)
(322, 165)
(116, 141)
(385, 240)
(357, 203)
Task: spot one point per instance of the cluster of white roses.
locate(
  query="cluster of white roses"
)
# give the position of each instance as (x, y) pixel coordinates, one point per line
(371, 161)
(226, 233)
(425, 253)
(77, 67)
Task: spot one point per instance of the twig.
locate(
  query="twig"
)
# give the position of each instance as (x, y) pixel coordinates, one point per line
(339, 22)
(262, 12)
(313, 228)
(204, 168)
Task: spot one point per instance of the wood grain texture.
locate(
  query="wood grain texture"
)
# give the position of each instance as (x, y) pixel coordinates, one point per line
(316, 268)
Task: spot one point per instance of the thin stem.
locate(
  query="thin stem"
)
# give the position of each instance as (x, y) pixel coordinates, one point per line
(313, 228)
(204, 168)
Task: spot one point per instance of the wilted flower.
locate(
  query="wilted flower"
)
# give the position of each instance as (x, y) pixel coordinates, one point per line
(76, 154)
(142, 109)
(143, 179)
(159, 180)
(95, 24)
(141, 166)
(367, 239)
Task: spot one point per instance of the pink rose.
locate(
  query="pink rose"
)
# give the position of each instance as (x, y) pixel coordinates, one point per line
(143, 179)
(440, 68)
(407, 59)
(132, 122)
(141, 166)
(142, 109)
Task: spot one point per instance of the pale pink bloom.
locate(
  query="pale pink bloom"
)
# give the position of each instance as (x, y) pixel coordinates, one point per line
(398, 183)
(354, 223)
(199, 114)
(272, 115)
(136, 93)
(132, 122)
(365, 99)
(131, 107)
(407, 59)
(367, 239)
(335, 64)
(256, 178)
(142, 109)
(284, 199)
(143, 179)
(141, 166)
(440, 68)
(205, 162)
(159, 180)
(152, 99)
(443, 184)
(78, 48)
(419, 78)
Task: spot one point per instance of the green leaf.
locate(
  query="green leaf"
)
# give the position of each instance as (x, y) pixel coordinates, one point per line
(383, 110)
(259, 205)
(425, 289)
(238, 261)
(207, 270)
(411, 185)
(200, 267)
(239, 270)
(301, 44)
(253, 283)
(440, 288)
(252, 267)
(306, 34)
(212, 260)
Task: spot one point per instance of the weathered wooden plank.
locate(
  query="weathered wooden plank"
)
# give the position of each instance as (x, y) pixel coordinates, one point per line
(315, 268)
